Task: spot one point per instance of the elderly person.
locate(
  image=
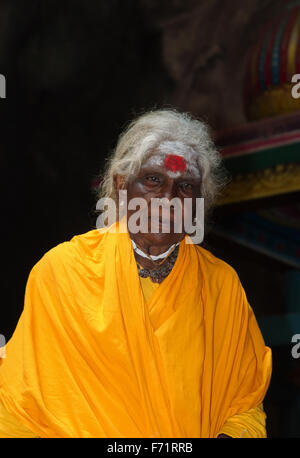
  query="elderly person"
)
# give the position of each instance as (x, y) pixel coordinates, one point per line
(129, 333)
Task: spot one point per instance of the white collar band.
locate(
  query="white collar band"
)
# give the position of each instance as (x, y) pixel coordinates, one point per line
(152, 257)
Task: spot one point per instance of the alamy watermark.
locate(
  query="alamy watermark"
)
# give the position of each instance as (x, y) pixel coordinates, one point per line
(163, 215)
(296, 89)
(296, 348)
(2, 346)
(2, 87)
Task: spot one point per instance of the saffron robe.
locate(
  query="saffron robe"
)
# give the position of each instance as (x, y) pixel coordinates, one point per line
(91, 358)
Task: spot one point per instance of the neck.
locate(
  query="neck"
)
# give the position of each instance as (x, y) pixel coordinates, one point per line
(146, 254)
(149, 248)
(157, 257)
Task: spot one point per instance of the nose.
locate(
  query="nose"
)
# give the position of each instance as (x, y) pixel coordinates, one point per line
(166, 195)
(169, 190)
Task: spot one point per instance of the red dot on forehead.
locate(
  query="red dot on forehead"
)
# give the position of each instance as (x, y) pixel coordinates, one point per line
(175, 163)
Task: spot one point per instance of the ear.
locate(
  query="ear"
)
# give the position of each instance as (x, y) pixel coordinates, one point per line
(119, 182)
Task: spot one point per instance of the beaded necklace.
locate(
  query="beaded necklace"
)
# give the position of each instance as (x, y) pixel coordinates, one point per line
(157, 275)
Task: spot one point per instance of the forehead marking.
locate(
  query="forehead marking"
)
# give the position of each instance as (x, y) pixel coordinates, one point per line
(185, 155)
(175, 163)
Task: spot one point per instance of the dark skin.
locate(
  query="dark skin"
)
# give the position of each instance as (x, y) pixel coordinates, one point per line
(155, 182)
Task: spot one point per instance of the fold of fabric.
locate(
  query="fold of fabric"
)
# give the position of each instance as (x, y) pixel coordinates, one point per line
(11, 427)
(250, 424)
(148, 288)
(89, 358)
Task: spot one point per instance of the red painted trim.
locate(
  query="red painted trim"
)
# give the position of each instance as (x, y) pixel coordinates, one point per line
(252, 147)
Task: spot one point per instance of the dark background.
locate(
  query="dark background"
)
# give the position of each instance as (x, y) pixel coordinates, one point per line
(77, 72)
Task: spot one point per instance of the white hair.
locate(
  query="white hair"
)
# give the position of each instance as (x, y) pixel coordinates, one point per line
(147, 133)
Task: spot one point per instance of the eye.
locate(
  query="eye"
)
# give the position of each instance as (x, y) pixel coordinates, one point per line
(187, 187)
(153, 179)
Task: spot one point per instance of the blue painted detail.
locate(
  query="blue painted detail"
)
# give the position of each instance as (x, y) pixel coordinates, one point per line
(275, 60)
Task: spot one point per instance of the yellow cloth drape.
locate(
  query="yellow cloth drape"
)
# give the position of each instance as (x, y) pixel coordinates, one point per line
(11, 427)
(245, 425)
(148, 288)
(90, 358)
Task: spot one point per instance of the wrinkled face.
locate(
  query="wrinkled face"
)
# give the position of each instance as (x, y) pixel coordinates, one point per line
(169, 176)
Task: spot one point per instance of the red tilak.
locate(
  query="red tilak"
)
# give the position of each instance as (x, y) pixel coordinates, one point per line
(175, 163)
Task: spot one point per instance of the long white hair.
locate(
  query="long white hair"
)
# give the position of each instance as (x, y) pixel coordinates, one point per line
(146, 133)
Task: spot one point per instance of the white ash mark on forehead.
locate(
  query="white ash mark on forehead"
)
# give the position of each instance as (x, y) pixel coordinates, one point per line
(180, 149)
(158, 160)
(177, 148)
(154, 160)
(172, 174)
